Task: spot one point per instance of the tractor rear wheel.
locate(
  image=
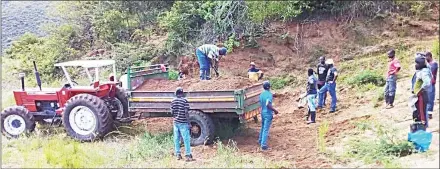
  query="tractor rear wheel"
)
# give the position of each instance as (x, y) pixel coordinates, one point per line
(86, 117)
(16, 121)
(119, 107)
(202, 128)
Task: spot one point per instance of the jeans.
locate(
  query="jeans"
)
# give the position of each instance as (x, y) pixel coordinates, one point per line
(266, 121)
(205, 65)
(182, 129)
(311, 102)
(431, 96)
(320, 85)
(205, 74)
(390, 89)
(331, 88)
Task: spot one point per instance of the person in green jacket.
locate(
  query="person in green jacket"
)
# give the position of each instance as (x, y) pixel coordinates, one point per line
(421, 82)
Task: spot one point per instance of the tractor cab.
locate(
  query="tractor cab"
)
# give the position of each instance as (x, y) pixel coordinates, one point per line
(88, 66)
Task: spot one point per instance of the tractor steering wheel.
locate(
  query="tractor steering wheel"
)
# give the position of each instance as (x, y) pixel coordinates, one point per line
(75, 83)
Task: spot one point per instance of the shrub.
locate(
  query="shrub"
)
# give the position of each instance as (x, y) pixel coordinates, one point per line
(435, 49)
(173, 75)
(281, 81)
(365, 77)
(380, 149)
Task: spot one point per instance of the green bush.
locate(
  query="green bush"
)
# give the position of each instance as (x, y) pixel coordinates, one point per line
(366, 77)
(173, 74)
(281, 81)
(435, 49)
(380, 149)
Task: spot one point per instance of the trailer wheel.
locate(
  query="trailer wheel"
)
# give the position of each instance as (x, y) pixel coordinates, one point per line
(119, 109)
(202, 128)
(16, 121)
(86, 117)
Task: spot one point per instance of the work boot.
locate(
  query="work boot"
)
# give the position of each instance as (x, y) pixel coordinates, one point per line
(189, 158)
(313, 116)
(179, 157)
(264, 148)
(389, 106)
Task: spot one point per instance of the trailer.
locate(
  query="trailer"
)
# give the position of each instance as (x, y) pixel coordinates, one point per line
(238, 105)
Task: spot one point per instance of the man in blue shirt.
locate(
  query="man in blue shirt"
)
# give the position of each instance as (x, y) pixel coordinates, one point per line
(330, 86)
(266, 99)
(312, 90)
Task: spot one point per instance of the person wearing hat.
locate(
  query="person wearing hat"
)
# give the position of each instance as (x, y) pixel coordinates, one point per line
(322, 70)
(254, 73)
(181, 126)
(205, 54)
(434, 68)
(391, 79)
(330, 86)
(421, 83)
(267, 110)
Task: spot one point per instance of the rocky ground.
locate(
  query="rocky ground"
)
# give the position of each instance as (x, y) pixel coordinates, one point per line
(19, 17)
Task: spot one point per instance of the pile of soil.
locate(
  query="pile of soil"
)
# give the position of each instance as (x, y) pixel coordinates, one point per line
(221, 83)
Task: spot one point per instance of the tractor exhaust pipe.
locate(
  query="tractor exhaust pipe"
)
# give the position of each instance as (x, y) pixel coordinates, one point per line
(21, 75)
(37, 75)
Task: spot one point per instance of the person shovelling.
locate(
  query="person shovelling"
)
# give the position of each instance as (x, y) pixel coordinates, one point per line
(421, 83)
(312, 91)
(205, 55)
(254, 73)
(391, 79)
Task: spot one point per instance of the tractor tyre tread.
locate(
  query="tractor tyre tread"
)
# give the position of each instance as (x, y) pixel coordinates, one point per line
(122, 96)
(20, 111)
(96, 104)
(208, 125)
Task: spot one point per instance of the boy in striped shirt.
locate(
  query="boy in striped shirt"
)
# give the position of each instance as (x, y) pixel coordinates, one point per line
(179, 110)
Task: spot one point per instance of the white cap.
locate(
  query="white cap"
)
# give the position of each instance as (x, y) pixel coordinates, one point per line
(329, 61)
(252, 63)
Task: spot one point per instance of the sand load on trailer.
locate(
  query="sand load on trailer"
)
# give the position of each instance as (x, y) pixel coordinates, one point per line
(222, 83)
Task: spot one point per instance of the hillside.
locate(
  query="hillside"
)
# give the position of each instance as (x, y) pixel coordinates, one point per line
(19, 17)
(357, 135)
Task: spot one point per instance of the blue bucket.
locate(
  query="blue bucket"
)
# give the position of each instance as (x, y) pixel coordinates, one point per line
(421, 140)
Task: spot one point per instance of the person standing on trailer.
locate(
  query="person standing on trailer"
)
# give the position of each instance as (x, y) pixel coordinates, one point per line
(205, 54)
(322, 70)
(434, 68)
(181, 125)
(266, 100)
(330, 86)
(312, 91)
(421, 83)
(391, 79)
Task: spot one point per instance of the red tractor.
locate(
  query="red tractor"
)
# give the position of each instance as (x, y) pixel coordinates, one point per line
(87, 112)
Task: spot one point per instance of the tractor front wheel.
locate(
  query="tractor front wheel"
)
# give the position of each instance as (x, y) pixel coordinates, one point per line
(86, 117)
(202, 128)
(16, 121)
